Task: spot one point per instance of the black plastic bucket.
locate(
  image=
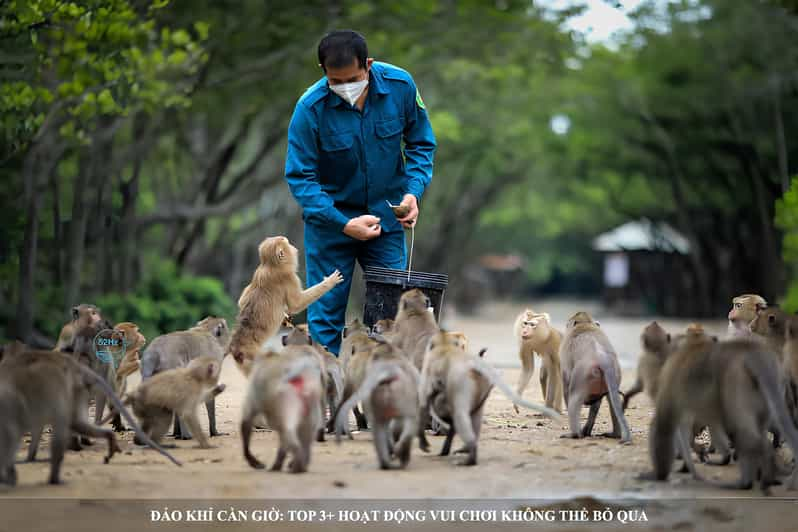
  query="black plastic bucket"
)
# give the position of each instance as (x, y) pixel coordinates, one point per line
(384, 287)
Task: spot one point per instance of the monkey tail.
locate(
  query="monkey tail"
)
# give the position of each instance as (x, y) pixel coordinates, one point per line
(380, 375)
(493, 376)
(613, 389)
(337, 378)
(122, 410)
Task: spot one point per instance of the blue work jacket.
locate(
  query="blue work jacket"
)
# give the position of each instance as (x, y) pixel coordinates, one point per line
(342, 163)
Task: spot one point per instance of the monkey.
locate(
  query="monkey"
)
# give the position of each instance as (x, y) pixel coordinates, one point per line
(286, 388)
(274, 289)
(179, 391)
(389, 393)
(770, 323)
(535, 334)
(209, 337)
(84, 350)
(83, 315)
(414, 325)
(733, 386)
(130, 362)
(13, 349)
(331, 375)
(657, 345)
(354, 332)
(590, 370)
(383, 327)
(744, 310)
(454, 386)
(359, 350)
(49, 387)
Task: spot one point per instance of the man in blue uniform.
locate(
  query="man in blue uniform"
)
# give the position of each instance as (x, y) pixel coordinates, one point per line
(359, 137)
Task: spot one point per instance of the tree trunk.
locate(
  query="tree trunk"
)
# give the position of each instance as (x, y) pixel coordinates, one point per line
(27, 254)
(77, 232)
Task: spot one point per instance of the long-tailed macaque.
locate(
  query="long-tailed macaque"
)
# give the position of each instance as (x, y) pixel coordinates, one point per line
(535, 334)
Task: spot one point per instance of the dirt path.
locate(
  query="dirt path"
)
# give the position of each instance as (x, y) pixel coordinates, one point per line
(521, 456)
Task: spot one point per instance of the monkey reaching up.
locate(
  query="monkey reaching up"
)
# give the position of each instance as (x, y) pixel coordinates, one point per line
(590, 370)
(178, 391)
(275, 289)
(286, 388)
(744, 310)
(83, 315)
(535, 334)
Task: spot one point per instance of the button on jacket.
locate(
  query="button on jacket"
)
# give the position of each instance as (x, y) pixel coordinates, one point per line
(342, 163)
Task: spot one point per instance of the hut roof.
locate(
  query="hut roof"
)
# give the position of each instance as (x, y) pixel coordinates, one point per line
(642, 235)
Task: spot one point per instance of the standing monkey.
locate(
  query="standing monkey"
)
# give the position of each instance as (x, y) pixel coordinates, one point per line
(131, 361)
(590, 370)
(744, 310)
(536, 335)
(274, 290)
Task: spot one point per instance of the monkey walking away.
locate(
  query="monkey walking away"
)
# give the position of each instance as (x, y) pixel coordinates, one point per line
(353, 333)
(332, 376)
(275, 289)
(209, 337)
(453, 388)
(734, 387)
(178, 391)
(389, 393)
(535, 334)
(286, 388)
(590, 371)
(38, 388)
(359, 351)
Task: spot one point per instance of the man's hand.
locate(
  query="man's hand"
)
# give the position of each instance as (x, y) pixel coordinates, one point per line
(410, 219)
(363, 227)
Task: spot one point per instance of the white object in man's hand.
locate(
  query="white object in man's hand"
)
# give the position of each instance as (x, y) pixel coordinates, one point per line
(363, 227)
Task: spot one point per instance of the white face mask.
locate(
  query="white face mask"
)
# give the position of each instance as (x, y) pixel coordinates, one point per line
(350, 92)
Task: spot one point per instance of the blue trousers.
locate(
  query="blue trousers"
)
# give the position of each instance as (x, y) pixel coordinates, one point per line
(327, 251)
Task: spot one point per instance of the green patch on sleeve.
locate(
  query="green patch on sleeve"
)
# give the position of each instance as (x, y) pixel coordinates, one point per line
(419, 101)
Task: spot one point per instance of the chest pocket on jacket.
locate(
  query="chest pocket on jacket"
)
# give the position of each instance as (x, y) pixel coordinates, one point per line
(389, 134)
(337, 160)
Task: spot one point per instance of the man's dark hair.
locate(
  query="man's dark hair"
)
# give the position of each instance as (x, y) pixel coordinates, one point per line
(340, 47)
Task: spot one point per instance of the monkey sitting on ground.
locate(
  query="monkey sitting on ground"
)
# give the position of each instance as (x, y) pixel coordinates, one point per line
(454, 387)
(275, 288)
(83, 315)
(744, 310)
(332, 374)
(389, 394)
(131, 361)
(656, 343)
(209, 337)
(732, 386)
(414, 325)
(38, 388)
(178, 391)
(590, 370)
(286, 388)
(535, 334)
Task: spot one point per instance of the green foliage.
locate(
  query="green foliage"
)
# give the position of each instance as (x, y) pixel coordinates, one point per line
(787, 221)
(167, 301)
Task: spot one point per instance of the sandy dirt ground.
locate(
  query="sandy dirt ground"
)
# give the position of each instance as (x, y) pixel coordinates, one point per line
(521, 457)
